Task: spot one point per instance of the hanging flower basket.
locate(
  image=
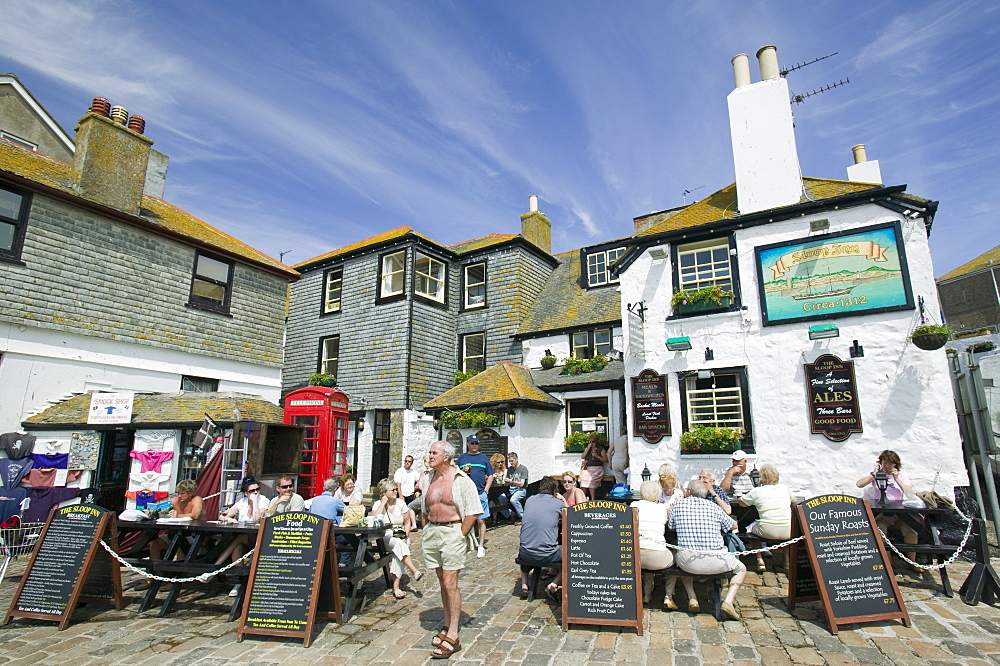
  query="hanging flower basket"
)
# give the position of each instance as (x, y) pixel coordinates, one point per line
(930, 336)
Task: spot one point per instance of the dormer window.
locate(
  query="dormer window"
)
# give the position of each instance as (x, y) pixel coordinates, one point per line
(597, 266)
(393, 274)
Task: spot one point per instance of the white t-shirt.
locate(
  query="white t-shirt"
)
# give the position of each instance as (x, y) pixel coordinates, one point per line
(774, 504)
(407, 480)
(652, 524)
(355, 498)
(243, 507)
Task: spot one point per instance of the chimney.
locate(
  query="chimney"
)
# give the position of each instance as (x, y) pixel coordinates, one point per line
(863, 171)
(111, 160)
(535, 227)
(764, 152)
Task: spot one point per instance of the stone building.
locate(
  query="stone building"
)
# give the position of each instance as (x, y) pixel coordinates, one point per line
(970, 296)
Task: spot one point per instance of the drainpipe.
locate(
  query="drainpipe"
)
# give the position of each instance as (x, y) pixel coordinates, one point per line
(983, 434)
(411, 263)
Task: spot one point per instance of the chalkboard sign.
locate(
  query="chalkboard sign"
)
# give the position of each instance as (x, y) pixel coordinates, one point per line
(848, 561)
(600, 565)
(802, 585)
(833, 398)
(650, 415)
(69, 565)
(285, 577)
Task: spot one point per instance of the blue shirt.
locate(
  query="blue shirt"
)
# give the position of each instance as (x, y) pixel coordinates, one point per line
(328, 506)
(478, 466)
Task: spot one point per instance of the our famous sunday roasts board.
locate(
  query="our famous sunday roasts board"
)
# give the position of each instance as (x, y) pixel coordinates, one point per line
(600, 571)
(69, 565)
(846, 567)
(289, 573)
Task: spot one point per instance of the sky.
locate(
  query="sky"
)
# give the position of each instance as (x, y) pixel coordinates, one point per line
(303, 127)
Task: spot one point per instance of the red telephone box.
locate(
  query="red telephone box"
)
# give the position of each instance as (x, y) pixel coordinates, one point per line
(323, 413)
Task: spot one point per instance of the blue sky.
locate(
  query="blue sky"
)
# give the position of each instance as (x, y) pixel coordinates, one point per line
(307, 126)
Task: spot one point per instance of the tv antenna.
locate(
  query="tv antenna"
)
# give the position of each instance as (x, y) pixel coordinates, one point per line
(281, 255)
(785, 72)
(685, 193)
(798, 99)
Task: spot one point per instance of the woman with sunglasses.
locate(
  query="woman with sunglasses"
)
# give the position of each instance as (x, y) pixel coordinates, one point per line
(571, 494)
(249, 508)
(395, 514)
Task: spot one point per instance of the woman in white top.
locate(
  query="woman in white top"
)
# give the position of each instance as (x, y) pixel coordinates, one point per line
(653, 552)
(774, 508)
(249, 508)
(391, 510)
(669, 491)
(348, 492)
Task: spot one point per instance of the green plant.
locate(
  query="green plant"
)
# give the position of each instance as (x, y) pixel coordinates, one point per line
(322, 379)
(974, 333)
(576, 442)
(575, 366)
(930, 329)
(714, 294)
(462, 376)
(981, 347)
(709, 437)
(471, 419)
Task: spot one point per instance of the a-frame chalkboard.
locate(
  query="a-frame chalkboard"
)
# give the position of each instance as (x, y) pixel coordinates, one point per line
(69, 565)
(601, 575)
(847, 566)
(291, 572)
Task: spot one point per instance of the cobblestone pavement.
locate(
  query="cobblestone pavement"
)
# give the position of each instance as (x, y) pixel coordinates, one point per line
(499, 628)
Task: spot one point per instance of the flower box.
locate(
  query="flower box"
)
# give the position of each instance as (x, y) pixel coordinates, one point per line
(696, 307)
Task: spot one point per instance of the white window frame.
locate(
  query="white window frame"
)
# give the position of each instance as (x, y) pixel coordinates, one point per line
(393, 277)
(587, 341)
(601, 421)
(469, 285)
(15, 139)
(711, 265)
(333, 290)
(597, 266)
(466, 357)
(719, 407)
(428, 277)
(329, 354)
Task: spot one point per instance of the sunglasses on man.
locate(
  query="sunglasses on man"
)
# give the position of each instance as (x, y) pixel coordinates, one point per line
(286, 487)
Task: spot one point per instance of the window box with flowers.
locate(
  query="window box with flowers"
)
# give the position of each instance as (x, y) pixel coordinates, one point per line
(709, 299)
(709, 439)
(576, 442)
(471, 419)
(576, 366)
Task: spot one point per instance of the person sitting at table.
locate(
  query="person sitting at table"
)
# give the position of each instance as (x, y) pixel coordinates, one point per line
(539, 536)
(715, 491)
(287, 499)
(348, 492)
(774, 509)
(326, 505)
(595, 456)
(249, 508)
(669, 490)
(571, 494)
(699, 526)
(652, 518)
(897, 484)
(185, 504)
(394, 513)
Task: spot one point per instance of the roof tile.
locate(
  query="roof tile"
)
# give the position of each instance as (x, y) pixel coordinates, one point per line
(504, 382)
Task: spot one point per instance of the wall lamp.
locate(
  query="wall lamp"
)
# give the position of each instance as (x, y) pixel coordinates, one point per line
(679, 344)
(511, 418)
(823, 331)
(857, 351)
(361, 425)
(657, 253)
(709, 354)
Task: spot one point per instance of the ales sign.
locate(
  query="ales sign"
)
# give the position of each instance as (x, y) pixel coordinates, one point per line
(833, 398)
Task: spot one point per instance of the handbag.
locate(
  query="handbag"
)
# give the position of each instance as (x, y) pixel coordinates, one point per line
(353, 515)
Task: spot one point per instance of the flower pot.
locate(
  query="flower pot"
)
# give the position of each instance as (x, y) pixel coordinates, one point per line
(931, 341)
(548, 362)
(703, 306)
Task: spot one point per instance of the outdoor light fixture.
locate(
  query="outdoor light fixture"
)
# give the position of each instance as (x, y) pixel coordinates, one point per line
(705, 374)
(823, 331)
(437, 420)
(646, 474)
(657, 253)
(857, 351)
(881, 482)
(709, 354)
(361, 424)
(511, 418)
(755, 476)
(679, 344)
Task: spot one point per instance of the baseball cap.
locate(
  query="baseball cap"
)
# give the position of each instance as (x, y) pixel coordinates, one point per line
(739, 455)
(472, 439)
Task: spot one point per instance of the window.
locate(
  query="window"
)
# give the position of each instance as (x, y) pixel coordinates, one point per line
(704, 264)
(588, 415)
(597, 266)
(474, 352)
(329, 354)
(393, 274)
(474, 278)
(429, 278)
(587, 344)
(199, 384)
(718, 400)
(13, 222)
(383, 421)
(333, 286)
(13, 138)
(212, 283)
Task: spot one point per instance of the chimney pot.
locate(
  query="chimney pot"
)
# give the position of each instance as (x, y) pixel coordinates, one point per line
(101, 106)
(119, 114)
(860, 156)
(767, 56)
(137, 124)
(533, 203)
(741, 70)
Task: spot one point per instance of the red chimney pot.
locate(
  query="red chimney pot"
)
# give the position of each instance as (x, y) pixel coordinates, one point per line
(101, 106)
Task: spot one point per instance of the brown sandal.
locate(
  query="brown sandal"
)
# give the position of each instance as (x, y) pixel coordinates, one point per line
(436, 641)
(446, 648)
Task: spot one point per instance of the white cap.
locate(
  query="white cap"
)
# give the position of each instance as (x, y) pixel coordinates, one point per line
(739, 454)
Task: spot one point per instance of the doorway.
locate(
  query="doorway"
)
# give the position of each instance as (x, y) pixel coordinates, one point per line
(112, 469)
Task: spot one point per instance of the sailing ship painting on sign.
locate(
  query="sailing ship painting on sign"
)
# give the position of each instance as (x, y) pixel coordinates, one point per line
(860, 271)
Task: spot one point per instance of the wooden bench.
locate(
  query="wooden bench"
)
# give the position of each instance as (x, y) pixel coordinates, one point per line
(715, 588)
(753, 542)
(188, 570)
(534, 575)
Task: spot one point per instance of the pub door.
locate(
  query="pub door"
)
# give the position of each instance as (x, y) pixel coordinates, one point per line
(112, 469)
(380, 461)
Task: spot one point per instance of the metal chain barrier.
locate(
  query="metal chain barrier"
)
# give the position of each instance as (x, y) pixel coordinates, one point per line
(933, 567)
(741, 553)
(203, 578)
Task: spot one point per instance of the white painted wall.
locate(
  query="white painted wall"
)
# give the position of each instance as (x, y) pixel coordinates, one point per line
(533, 349)
(905, 393)
(39, 366)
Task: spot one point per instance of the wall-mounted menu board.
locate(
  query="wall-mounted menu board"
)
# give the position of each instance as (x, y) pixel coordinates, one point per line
(650, 414)
(285, 577)
(600, 565)
(69, 565)
(851, 568)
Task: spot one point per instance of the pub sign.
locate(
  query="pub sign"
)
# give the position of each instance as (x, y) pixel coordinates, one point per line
(833, 398)
(650, 414)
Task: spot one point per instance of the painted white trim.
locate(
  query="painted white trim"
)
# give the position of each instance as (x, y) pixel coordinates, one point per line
(37, 108)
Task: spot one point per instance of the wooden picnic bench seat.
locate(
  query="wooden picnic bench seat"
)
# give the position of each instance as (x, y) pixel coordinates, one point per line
(715, 587)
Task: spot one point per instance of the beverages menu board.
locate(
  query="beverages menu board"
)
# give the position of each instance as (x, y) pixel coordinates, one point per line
(601, 576)
(67, 565)
(284, 576)
(851, 568)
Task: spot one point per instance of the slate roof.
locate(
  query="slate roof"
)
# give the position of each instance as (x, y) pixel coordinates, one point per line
(554, 380)
(988, 259)
(391, 234)
(565, 303)
(480, 243)
(505, 382)
(181, 409)
(155, 213)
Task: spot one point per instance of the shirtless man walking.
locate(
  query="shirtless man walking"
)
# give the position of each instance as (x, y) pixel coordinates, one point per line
(449, 508)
